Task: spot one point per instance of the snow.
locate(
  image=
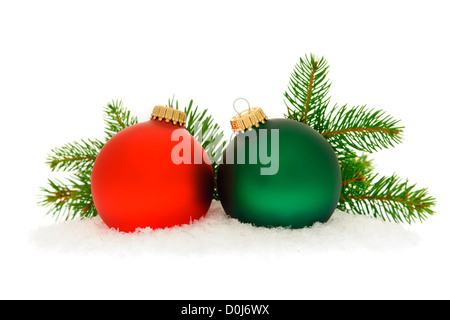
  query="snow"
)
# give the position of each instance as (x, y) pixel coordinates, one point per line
(217, 257)
(217, 233)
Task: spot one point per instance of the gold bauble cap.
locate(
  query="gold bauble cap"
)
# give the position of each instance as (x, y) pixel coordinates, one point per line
(169, 114)
(246, 119)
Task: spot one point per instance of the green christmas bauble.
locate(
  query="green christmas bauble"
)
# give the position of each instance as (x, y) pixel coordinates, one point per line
(282, 173)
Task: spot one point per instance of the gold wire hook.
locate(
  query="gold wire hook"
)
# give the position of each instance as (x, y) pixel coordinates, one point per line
(234, 107)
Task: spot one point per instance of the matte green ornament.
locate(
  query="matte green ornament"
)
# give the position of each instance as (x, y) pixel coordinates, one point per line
(281, 173)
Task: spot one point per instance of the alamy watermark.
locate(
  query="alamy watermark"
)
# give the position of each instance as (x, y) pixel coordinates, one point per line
(252, 148)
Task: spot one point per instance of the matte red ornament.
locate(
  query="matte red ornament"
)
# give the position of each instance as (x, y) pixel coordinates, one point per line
(136, 184)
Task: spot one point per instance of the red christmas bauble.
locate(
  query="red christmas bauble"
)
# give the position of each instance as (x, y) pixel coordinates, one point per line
(136, 184)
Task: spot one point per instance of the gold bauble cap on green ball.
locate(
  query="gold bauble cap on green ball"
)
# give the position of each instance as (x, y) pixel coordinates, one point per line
(245, 120)
(169, 114)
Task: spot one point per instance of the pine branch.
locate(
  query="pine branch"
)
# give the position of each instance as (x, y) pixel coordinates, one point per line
(361, 129)
(387, 197)
(202, 127)
(349, 130)
(75, 155)
(355, 170)
(307, 95)
(73, 198)
(68, 200)
(117, 118)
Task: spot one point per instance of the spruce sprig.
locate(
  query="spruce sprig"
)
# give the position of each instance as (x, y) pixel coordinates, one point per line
(390, 198)
(117, 118)
(307, 95)
(72, 197)
(360, 128)
(352, 132)
(75, 155)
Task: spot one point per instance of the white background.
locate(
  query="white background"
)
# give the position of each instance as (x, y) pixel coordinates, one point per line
(62, 61)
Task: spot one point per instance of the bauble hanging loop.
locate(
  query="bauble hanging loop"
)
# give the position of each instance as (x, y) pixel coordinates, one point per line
(234, 104)
(245, 120)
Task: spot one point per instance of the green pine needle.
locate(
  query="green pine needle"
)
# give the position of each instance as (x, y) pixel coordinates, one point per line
(390, 198)
(307, 94)
(73, 198)
(70, 199)
(76, 155)
(350, 130)
(117, 118)
(360, 128)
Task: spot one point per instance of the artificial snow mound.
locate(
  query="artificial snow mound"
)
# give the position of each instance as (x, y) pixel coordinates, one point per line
(217, 233)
